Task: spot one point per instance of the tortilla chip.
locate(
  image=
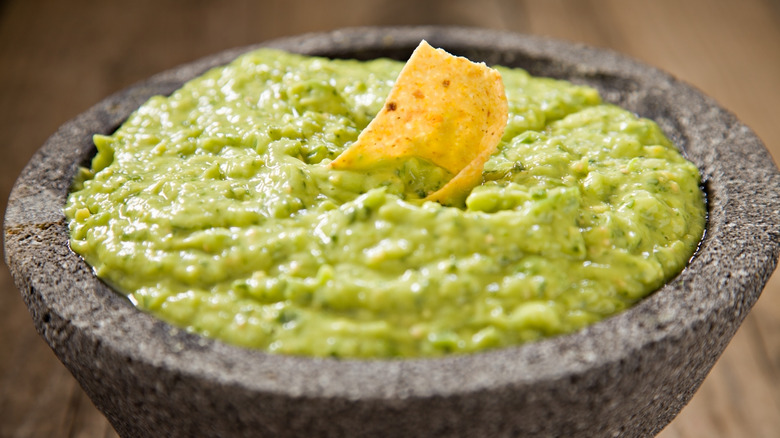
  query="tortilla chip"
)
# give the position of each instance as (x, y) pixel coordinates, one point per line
(444, 109)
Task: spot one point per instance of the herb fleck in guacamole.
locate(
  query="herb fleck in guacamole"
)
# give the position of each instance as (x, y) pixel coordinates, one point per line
(215, 209)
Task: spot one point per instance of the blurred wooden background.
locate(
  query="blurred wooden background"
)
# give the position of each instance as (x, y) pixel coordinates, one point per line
(57, 58)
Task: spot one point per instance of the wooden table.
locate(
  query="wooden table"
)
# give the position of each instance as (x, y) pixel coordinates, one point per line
(58, 58)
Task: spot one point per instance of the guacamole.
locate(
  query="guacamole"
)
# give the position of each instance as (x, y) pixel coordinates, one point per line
(215, 209)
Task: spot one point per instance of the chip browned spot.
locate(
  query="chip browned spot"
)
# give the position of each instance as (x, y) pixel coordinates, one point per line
(445, 109)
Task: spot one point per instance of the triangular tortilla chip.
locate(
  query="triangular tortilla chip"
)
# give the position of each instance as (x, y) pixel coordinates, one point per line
(444, 109)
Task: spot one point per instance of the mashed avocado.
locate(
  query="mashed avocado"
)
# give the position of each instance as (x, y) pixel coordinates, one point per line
(215, 210)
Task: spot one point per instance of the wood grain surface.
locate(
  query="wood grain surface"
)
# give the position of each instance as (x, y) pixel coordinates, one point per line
(58, 58)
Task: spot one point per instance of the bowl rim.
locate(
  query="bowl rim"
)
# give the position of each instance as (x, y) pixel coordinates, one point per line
(693, 301)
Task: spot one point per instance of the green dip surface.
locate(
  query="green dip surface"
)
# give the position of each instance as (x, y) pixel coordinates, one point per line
(215, 210)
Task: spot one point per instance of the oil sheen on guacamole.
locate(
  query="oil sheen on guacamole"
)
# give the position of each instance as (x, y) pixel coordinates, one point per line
(215, 210)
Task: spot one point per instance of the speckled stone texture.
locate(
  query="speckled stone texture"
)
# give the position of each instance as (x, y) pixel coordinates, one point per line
(626, 376)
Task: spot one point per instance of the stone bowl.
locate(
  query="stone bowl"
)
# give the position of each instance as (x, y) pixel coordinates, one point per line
(626, 376)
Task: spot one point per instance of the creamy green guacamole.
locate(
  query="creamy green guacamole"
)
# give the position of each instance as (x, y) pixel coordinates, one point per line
(214, 209)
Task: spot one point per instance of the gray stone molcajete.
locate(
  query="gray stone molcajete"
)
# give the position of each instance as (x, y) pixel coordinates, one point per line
(626, 376)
